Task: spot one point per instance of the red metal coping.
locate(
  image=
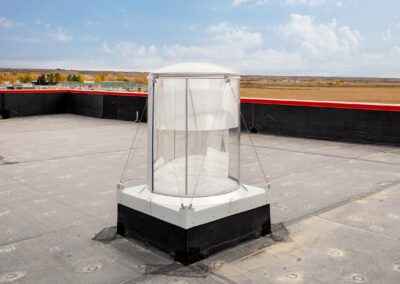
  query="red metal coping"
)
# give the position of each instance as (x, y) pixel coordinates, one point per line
(73, 91)
(302, 103)
(324, 104)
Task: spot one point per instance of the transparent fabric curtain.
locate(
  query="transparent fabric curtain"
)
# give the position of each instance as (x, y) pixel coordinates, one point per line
(196, 136)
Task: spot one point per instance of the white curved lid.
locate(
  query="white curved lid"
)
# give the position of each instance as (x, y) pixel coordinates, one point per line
(193, 68)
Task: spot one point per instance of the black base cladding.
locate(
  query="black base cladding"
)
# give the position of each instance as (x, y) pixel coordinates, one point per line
(190, 245)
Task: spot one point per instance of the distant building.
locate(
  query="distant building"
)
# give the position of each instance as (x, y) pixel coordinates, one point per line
(105, 85)
(19, 86)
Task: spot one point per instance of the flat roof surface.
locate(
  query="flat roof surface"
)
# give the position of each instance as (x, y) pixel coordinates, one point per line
(339, 204)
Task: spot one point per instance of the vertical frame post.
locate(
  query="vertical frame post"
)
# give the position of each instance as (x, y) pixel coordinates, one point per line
(150, 132)
(239, 128)
(186, 137)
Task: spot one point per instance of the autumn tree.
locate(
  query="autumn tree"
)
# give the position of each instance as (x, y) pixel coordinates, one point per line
(50, 79)
(24, 78)
(72, 78)
(27, 78)
(57, 77)
(140, 80)
(121, 77)
(99, 78)
(34, 76)
(75, 78)
(87, 78)
(8, 76)
(20, 77)
(110, 77)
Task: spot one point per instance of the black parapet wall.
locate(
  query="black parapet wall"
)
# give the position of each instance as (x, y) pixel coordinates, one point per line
(349, 125)
(27, 104)
(85, 104)
(4, 114)
(125, 108)
(94, 104)
(322, 120)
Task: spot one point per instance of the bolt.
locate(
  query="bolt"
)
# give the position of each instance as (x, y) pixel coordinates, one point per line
(358, 278)
(11, 275)
(292, 276)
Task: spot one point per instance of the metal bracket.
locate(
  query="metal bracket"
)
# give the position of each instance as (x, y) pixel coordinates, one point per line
(120, 186)
(189, 207)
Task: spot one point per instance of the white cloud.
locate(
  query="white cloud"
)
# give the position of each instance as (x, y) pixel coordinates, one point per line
(395, 51)
(339, 4)
(192, 28)
(387, 35)
(24, 39)
(129, 49)
(6, 23)
(301, 46)
(320, 39)
(232, 35)
(272, 61)
(93, 24)
(238, 2)
(261, 2)
(305, 2)
(227, 44)
(373, 55)
(225, 41)
(59, 34)
(250, 3)
(80, 64)
(90, 38)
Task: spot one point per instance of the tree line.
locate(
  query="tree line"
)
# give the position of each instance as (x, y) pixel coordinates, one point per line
(54, 78)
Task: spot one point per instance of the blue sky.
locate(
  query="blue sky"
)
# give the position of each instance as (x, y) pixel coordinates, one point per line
(270, 37)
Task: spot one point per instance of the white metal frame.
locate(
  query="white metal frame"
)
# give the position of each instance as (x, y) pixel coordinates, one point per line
(190, 212)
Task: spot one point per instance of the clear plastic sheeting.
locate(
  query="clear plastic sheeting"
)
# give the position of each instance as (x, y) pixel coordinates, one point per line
(194, 131)
(194, 104)
(195, 136)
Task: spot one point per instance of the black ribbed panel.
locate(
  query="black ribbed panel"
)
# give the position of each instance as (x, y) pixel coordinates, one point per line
(190, 245)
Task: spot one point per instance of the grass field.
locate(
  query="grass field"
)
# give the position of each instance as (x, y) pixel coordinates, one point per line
(348, 90)
(347, 94)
